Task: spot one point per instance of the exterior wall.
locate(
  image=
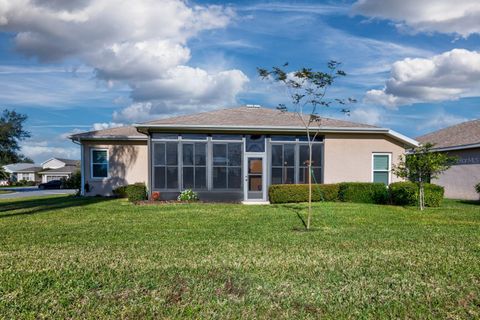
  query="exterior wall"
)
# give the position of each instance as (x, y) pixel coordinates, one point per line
(348, 157)
(27, 176)
(48, 177)
(460, 179)
(128, 163)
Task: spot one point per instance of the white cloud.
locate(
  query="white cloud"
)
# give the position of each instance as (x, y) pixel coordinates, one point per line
(459, 17)
(447, 76)
(42, 150)
(106, 125)
(139, 43)
(440, 120)
(369, 115)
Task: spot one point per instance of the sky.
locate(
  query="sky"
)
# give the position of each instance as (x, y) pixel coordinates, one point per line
(80, 65)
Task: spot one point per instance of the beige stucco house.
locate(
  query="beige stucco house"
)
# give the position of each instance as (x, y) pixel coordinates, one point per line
(463, 142)
(235, 154)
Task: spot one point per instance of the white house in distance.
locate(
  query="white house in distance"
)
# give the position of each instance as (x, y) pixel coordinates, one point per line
(57, 169)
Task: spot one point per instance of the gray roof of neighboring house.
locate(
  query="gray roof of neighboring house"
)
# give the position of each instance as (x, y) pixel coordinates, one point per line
(118, 133)
(14, 167)
(463, 135)
(69, 162)
(66, 169)
(251, 116)
(30, 169)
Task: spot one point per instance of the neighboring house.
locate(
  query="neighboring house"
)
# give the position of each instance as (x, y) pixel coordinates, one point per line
(57, 169)
(462, 141)
(22, 171)
(234, 154)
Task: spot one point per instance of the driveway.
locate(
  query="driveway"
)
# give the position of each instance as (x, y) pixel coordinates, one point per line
(22, 192)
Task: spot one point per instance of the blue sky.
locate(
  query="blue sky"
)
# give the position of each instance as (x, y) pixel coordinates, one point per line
(80, 66)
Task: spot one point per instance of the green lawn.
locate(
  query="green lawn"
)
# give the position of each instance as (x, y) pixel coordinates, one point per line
(5, 191)
(62, 257)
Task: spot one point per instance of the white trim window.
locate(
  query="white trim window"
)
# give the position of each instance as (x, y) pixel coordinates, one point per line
(99, 163)
(381, 167)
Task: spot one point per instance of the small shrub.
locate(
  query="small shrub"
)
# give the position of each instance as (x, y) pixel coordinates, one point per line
(477, 188)
(188, 195)
(406, 194)
(136, 192)
(363, 192)
(73, 182)
(287, 193)
(120, 192)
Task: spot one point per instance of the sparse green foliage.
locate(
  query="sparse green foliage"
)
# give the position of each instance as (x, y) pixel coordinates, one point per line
(307, 90)
(421, 166)
(477, 188)
(74, 181)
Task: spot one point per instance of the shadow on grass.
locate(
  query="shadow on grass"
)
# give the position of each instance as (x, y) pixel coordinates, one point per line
(297, 209)
(471, 202)
(33, 206)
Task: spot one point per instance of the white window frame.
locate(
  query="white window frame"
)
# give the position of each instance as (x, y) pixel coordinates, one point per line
(389, 165)
(91, 163)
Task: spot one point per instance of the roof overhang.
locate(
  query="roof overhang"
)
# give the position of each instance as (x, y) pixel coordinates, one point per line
(146, 129)
(115, 138)
(462, 147)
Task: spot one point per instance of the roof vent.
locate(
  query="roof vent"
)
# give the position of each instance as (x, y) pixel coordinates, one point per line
(253, 106)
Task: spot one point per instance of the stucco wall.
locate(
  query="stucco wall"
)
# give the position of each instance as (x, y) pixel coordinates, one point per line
(128, 163)
(348, 157)
(460, 179)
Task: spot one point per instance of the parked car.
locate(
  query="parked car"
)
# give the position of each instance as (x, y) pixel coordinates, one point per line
(53, 184)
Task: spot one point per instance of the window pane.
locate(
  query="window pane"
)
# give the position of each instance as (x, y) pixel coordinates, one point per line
(219, 177)
(164, 136)
(200, 154)
(159, 154)
(200, 178)
(289, 175)
(303, 155)
(304, 138)
(255, 143)
(99, 156)
(283, 138)
(303, 175)
(234, 178)
(187, 177)
(100, 170)
(380, 177)
(172, 153)
(277, 155)
(172, 177)
(226, 137)
(159, 177)
(317, 175)
(187, 154)
(316, 155)
(277, 175)
(288, 155)
(194, 136)
(380, 162)
(234, 154)
(219, 154)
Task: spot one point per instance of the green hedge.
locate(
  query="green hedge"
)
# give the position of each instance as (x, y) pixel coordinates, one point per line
(134, 192)
(285, 193)
(363, 192)
(406, 194)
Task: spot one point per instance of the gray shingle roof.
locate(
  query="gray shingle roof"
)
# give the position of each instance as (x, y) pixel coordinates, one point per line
(119, 132)
(462, 134)
(30, 169)
(251, 116)
(68, 169)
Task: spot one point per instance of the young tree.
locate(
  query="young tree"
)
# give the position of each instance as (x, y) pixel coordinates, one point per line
(422, 165)
(11, 133)
(307, 90)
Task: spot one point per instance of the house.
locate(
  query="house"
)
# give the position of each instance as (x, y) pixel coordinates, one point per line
(58, 168)
(235, 154)
(22, 171)
(463, 142)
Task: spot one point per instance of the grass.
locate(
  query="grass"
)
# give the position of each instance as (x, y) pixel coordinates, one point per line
(62, 257)
(5, 191)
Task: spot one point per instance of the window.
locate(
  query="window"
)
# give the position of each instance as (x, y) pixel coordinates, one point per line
(283, 163)
(99, 161)
(316, 163)
(194, 165)
(227, 165)
(165, 165)
(255, 143)
(381, 168)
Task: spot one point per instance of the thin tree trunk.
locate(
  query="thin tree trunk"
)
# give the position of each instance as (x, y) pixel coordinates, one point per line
(309, 184)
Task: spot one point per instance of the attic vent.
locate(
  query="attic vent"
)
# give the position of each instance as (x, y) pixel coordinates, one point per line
(254, 106)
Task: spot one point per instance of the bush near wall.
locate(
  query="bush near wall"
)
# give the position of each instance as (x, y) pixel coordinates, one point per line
(120, 192)
(363, 192)
(406, 194)
(134, 192)
(287, 193)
